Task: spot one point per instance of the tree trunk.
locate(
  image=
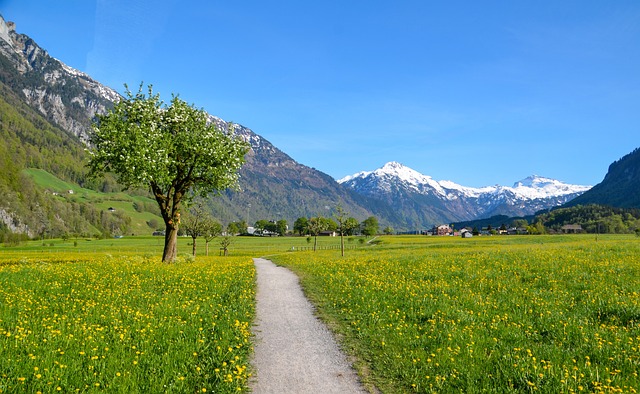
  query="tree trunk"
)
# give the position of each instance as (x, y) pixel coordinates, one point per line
(206, 248)
(342, 244)
(194, 246)
(170, 244)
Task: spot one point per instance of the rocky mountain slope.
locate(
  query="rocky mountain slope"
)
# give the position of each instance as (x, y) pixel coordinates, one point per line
(66, 97)
(274, 186)
(426, 201)
(620, 187)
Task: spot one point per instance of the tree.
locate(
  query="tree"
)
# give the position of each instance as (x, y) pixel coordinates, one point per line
(174, 150)
(370, 226)
(43, 224)
(330, 225)
(315, 226)
(301, 225)
(520, 223)
(260, 226)
(195, 223)
(281, 227)
(212, 230)
(341, 217)
(225, 243)
(388, 230)
(350, 226)
(234, 228)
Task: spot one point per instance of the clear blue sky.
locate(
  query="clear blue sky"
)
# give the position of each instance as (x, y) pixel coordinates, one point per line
(477, 92)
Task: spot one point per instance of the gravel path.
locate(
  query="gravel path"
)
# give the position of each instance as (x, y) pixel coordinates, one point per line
(294, 351)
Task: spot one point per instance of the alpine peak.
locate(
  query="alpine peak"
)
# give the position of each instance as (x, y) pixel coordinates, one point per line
(395, 183)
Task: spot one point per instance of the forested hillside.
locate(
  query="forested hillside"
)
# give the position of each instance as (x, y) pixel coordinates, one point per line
(619, 188)
(593, 219)
(27, 140)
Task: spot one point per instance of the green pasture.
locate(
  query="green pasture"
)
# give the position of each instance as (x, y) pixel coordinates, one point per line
(151, 247)
(418, 314)
(553, 314)
(120, 202)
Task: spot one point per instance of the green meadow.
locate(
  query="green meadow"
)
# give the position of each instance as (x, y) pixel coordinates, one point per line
(147, 209)
(418, 314)
(498, 314)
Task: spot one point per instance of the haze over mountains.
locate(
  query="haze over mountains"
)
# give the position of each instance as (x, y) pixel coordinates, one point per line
(274, 186)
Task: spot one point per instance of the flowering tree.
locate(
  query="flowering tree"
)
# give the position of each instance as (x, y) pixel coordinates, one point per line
(172, 149)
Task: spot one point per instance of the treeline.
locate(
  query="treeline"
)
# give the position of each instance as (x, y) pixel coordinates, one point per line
(592, 219)
(311, 226)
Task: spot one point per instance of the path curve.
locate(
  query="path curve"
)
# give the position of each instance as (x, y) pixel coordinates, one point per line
(294, 351)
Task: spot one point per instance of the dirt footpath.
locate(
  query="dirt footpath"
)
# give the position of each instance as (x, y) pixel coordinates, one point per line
(294, 351)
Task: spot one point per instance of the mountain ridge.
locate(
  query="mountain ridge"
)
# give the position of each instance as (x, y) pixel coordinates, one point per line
(399, 184)
(67, 97)
(620, 185)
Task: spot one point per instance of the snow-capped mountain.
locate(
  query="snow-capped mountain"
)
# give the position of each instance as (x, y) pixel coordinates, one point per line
(426, 201)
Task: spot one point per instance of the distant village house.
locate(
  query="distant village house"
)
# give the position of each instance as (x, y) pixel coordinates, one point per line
(443, 229)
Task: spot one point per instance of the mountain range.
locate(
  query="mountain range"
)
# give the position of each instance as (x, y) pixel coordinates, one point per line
(63, 102)
(425, 200)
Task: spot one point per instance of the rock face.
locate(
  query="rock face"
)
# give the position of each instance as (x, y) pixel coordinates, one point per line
(65, 96)
(424, 201)
(13, 223)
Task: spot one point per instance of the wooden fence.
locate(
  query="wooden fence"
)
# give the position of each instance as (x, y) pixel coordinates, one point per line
(321, 247)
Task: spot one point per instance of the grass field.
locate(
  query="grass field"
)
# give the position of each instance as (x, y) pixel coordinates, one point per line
(93, 315)
(125, 325)
(151, 247)
(496, 314)
(420, 314)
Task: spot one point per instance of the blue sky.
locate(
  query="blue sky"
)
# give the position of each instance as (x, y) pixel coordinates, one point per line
(479, 93)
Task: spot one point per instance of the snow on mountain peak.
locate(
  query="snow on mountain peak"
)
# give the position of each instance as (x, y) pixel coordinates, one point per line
(535, 181)
(536, 186)
(402, 172)
(360, 174)
(530, 188)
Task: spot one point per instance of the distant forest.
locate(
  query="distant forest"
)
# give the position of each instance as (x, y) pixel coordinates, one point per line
(592, 218)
